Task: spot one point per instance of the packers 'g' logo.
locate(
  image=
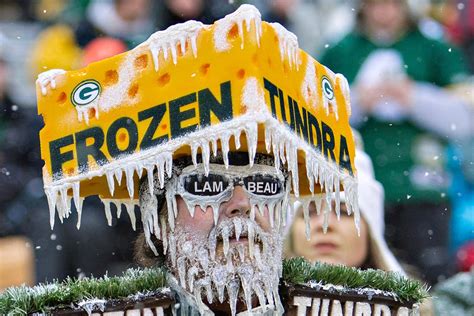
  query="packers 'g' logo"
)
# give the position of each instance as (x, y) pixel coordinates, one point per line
(327, 88)
(85, 92)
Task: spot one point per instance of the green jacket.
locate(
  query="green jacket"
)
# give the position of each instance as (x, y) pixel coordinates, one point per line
(399, 149)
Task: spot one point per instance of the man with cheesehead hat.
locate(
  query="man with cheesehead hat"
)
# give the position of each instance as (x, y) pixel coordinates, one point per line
(213, 131)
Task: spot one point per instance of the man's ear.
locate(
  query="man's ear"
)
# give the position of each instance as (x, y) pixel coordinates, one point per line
(144, 256)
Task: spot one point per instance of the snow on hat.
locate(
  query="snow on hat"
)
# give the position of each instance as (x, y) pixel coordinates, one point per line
(239, 84)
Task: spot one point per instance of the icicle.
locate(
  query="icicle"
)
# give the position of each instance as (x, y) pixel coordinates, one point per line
(209, 294)
(337, 197)
(118, 206)
(237, 227)
(160, 167)
(79, 212)
(241, 251)
(164, 233)
(252, 211)
(172, 248)
(194, 152)
(214, 146)
(129, 171)
(65, 206)
(237, 138)
(219, 277)
(169, 164)
(251, 133)
(110, 181)
(326, 213)
(233, 292)
(182, 271)
(292, 158)
(108, 213)
(149, 173)
(169, 205)
(278, 214)
(203, 257)
(276, 154)
(130, 206)
(191, 273)
(215, 213)
(258, 257)
(245, 274)
(225, 149)
(118, 175)
(251, 240)
(281, 147)
(212, 244)
(268, 138)
(271, 213)
(305, 206)
(267, 284)
(261, 208)
(205, 153)
(75, 193)
(51, 195)
(309, 173)
(139, 169)
(48, 78)
(225, 239)
(257, 288)
(168, 39)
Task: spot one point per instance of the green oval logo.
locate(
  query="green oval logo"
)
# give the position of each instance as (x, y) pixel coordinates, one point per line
(327, 88)
(85, 92)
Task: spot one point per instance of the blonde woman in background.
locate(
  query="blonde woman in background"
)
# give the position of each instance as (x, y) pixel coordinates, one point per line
(341, 243)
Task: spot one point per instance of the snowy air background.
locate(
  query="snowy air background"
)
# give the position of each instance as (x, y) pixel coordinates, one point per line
(436, 239)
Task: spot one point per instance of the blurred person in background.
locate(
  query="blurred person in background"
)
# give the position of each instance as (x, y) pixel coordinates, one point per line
(128, 20)
(341, 244)
(171, 12)
(406, 118)
(313, 22)
(125, 23)
(458, 18)
(16, 166)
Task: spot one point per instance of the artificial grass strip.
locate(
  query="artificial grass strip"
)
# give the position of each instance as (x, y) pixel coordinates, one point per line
(41, 298)
(300, 271)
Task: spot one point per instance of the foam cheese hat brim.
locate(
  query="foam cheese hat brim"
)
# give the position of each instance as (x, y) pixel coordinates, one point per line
(238, 84)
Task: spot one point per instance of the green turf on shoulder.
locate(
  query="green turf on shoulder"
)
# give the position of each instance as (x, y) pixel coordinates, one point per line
(23, 300)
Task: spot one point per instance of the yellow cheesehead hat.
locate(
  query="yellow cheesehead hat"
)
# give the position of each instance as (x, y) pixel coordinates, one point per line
(239, 84)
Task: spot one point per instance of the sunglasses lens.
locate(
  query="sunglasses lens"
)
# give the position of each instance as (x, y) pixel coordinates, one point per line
(199, 184)
(263, 185)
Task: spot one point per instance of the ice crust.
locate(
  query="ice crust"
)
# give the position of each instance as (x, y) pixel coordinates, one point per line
(48, 78)
(281, 142)
(233, 275)
(288, 42)
(244, 14)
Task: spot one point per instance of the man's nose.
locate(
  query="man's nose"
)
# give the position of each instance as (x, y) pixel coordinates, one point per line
(238, 205)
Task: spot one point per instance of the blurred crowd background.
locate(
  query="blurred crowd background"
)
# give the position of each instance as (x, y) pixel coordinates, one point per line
(411, 73)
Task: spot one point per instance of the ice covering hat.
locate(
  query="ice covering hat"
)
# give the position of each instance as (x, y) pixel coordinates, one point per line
(237, 85)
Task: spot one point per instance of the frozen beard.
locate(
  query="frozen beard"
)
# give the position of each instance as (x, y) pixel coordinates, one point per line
(234, 259)
(237, 261)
